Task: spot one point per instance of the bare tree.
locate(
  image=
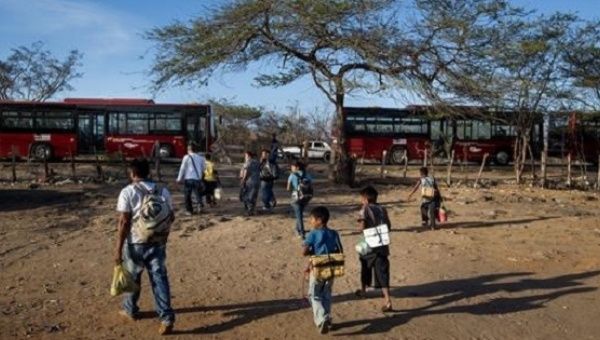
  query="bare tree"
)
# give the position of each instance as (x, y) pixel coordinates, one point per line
(32, 73)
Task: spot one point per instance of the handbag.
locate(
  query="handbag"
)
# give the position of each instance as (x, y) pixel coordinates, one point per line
(326, 267)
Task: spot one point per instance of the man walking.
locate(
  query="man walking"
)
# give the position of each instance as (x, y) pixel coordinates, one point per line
(250, 182)
(145, 217)
(190, 174)
(268, 174)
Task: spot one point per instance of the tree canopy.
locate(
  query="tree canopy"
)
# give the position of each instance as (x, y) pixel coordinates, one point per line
(33, 73)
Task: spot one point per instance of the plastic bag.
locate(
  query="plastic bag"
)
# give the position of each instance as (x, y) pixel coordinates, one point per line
(442, 215)
(122, 282)
(219, 193)
(362, 247)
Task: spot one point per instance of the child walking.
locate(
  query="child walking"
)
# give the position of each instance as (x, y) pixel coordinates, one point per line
(211, 180)
(321, 240)
(376, 260)
(430, 198)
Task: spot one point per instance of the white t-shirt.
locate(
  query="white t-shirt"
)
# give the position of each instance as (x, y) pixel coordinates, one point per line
(130, 201)
(187, 171)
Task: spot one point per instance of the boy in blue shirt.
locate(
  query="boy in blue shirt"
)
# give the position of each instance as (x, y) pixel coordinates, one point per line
(321, 241)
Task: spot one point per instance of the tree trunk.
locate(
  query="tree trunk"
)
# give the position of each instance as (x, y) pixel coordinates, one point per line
(545, 131)
(343, 169)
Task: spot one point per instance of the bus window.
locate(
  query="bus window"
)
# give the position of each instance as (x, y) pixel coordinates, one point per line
(166, 122)
(464, 129)
(411, 126)
(137, 123)
(482, 130)
(17, 120)
(502, 131)
(54, 120)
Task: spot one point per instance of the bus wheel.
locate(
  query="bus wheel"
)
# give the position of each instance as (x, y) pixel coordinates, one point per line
(502, 158)
(165, 151)
(41, 151)
(327, 156)
(397, 155)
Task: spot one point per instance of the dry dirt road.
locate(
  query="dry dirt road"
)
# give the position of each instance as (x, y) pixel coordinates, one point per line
(512, 263)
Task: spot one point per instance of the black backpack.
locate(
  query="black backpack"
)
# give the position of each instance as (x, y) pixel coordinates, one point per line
(304, 192)
(269, 171)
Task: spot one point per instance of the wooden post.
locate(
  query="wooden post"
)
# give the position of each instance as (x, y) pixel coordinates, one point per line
(485, 156)
(405, 166)
(569, 181)
(544, 168)
(46, 169)
(598, 179)
(14, 163)
(305, 152)
(144, 152)
(425, 157)
(432, 164)
(29, 158)
(99, 174)
(383, 157)
(157, 160)
(123, 162)
(449, 174)
(73, 172)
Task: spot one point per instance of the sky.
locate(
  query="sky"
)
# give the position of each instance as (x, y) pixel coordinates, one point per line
(117, 57)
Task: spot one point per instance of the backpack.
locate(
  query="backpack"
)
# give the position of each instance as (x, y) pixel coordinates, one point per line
(304, 192)
(153, 222)
(209, 172)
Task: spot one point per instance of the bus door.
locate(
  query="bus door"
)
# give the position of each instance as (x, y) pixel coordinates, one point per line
(91, 131)
(196, 129)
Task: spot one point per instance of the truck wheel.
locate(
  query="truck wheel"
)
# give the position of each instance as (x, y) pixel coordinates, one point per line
(327, 156)
(41, 151)
(165, 151)
(502, 158)
(397, 155)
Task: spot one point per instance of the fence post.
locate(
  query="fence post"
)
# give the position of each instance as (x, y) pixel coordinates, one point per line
(99, 174)
(14, 163)
(73, 170)
(123, 162)
(46, 169)
(569, 181)
(305, 152)
(157, 161)
(485, 156)
(598, 179)
(29, 158)
(405, 166)
(449, 174)
(425, 158)
(383, 157)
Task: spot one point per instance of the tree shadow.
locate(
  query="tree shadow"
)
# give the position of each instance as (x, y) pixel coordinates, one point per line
(24, 199)
(478, 224)
(445, 297)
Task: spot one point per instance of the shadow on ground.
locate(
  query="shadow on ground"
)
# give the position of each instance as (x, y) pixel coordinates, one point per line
(23, 199)
(521, 292)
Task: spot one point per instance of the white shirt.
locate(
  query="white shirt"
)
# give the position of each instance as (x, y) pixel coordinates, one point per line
(187, 171)
(130, 201)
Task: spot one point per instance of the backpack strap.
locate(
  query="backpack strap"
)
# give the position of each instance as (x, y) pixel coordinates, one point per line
(191, 157)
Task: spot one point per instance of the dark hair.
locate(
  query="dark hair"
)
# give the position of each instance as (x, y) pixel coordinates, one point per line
(265, 150)
(140, 168)
(249, 153)
(424, 171)
(194, 147)
(299, 165)
(370, 194)
(321, 213)
(208, 156)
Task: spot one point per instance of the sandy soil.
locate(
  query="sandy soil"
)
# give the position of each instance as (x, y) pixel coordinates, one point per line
(512, 263)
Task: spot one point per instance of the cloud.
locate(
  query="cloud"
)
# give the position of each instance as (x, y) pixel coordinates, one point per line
(97, 30)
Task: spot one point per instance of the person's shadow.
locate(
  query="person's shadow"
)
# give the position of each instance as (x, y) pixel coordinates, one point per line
(443, 296)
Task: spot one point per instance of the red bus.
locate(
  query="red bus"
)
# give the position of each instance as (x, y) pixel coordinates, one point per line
(408, 132)
(85, 126)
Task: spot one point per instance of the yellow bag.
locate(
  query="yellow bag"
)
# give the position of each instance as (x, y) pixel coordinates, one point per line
(122, 282)
(326, 267)
(428, 192)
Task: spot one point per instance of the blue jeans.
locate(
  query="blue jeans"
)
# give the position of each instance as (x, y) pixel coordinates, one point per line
(152, 257)
(266, 193)
(192, 186)
(299, 212)
(319, 295)
(251, 194)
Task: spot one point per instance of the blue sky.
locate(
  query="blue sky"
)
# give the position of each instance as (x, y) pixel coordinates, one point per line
(116, 57)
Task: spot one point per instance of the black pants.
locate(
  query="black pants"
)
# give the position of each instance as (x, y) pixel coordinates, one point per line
(379, 264)
(210, 187)
(192, 186)
(428, 212)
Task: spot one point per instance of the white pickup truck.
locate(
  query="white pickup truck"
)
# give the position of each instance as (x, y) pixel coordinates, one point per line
(316, 150)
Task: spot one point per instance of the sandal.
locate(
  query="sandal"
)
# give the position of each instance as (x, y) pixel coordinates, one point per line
(387, 308)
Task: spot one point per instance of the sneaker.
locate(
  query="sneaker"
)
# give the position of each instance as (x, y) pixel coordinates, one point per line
(165, 329)
(187, 213)
(128, 316)
(324, 328)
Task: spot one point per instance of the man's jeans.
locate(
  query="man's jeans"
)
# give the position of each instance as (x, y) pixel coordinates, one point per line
(266, 193)
(299, 212)
(251, 194)
(192, 186)
(319, 295)
(151, 257)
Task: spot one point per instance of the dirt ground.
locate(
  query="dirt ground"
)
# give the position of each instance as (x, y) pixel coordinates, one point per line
(511, 263)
